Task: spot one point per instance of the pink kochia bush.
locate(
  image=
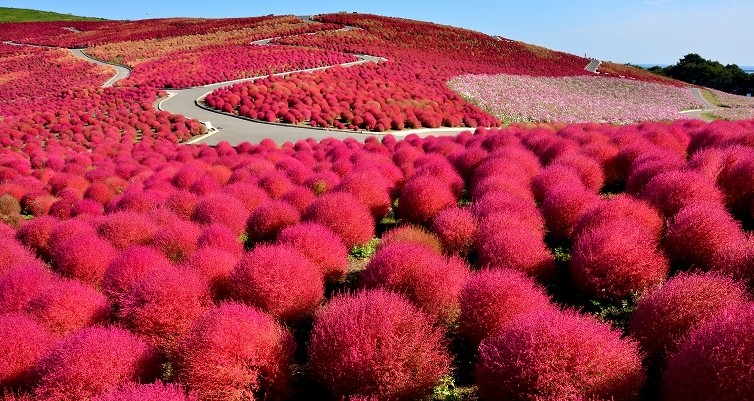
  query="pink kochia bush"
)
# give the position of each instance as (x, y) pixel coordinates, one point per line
(127, 228)
(279, 280)
(375, 344)
(343, 213)
(320, 245)
(456, 228)
(430, 280)
(68, 305)
(665, 315)
(558, 355)
(411, 234)
(616, 260)
(21, 284)
(23, 341)
(215, 266)
(254, 350)
(269, 218)
(492, 298)
(669, 192)
(128, 267)
(13, 253)
(92, 361)
(84, 257)
(162, 304)
(147, 392)
(423, 197)
(715, 362)
(516, 248)
(621, 207)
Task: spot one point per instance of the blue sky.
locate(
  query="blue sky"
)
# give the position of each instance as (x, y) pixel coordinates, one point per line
(638, 31)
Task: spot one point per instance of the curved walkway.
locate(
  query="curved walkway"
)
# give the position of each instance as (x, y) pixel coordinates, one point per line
(707, 106)
(121, 72)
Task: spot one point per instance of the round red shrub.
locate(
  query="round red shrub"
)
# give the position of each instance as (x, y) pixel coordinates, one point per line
(216, 266)
(376, 344)
(162, 304)
(68, 305)
(616, 260)
(422, 198)
(220, 237)
(589, 171)
(456, 228)
(22, 343)
(12, 253)
(279, 280)
(36, 233)
(182, 203)
(157, 391)
(84, 257)
(321, 245)
(371, 189)
(21, 284)
(664, 316)
(345, 215)
(619, 208)
(92, 361)
(66, 230)
(177, 240)
(563, 206)
(221, 209)
(554, 355)
(127, 228)
(517, 209)
(128, 267)
(699, 235)
(517, 249)
(267, 220)
(551, 176)
(715, 362)
(254, 350)
(430, 280)
(299, 197)
(411, 234)
(492, 298)
(669, 192)
(738, 184)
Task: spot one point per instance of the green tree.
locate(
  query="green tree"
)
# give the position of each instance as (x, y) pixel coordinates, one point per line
(695, 69)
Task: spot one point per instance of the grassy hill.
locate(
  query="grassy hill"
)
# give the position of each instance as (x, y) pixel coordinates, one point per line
(8, 14)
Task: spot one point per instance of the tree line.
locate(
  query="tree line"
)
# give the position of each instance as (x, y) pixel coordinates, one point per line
(695, 69)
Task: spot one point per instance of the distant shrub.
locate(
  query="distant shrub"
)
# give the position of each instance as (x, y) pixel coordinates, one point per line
(456, 228)
(422, 198)
(665, 315)
(715, 362)
(700, 234)
(276, 183)
(376, 344)
(215, 266)
(177, 240)
(370, 189)
(619, 208)
(220, 237)
(411, 234)
(589, 171)
(84, 257)
(68, 305)
(147, 392)
(320, 245)
(92, 361)
(22, 283)
(128, 267)
(66, 230)
(495, 203)
(254, 349)
(341, 212)
(279, 280)
(616, 260)
(551, 176)
(124, 229)
(182, 203)
(430, 280)
(669, 192)
(554, 355)
(23, 343)
(492, 298)
(221, 209)
(268, 219)
(515, 248)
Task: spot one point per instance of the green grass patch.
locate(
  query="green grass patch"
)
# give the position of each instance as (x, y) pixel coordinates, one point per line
(8, 14)
(710, 97)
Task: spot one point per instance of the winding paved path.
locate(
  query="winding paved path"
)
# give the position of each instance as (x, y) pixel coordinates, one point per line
(121, 72)
(707, 106)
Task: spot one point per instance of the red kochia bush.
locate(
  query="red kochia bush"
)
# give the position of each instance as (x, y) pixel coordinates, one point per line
(371, 189)
(22, 283)
(700, 234)
(430, 280)
(147, 392)
(456, 228)
(616, 260)
(215, 266)
(411, 234)
(220, 237)
(665, 315)
(422, 198)
(554, 355)
(715, 362)
(68, 305)
(515, 248)
(345, 215)
(36, 233)
(279, 280)
(66, 230)
(321, 245)
(619, 208)
(162, 304)
(563, 206)
(124, 229)
(254, 350)
(269, 218)
(492, 298)
(22, 343)
(92, 361)
(12, 253)
(222, 209)
(177, 240)
(128, 267)
(376, 344)
(672, 190)
(84, 257)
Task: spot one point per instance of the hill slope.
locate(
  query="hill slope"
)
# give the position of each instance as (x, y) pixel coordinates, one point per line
(8, 14)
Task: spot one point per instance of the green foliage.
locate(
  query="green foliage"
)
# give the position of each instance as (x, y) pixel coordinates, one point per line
(364, 251)
(695, 69)
(616, 313)
(446, 390)
(8, 14)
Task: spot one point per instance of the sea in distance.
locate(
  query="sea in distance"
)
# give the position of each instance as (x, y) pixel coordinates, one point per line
(747, 68)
